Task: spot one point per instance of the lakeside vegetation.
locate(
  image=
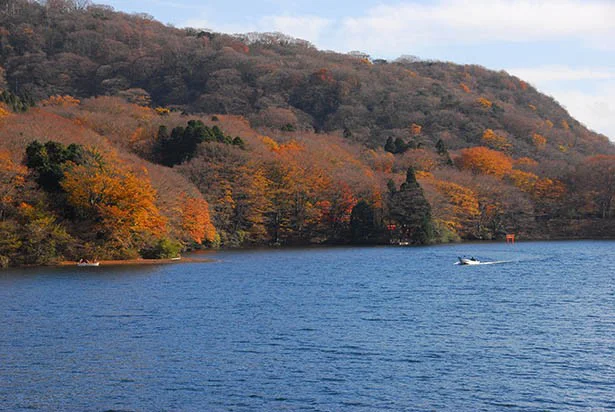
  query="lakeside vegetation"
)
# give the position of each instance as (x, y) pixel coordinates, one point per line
(122, 137)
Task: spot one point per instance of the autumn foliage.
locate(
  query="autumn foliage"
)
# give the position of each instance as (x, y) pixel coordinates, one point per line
(120, 203)
(483, 160)
(57, 100)
(463, 207)
(196, 221)
(12, 177)
(104, 201)
(495, 141)
(284, 144)
(539, 140)
(484, 102)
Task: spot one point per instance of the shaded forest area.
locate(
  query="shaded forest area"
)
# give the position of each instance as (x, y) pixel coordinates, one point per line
(121, 137)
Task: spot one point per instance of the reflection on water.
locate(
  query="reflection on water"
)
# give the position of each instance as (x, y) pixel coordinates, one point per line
(317, 329)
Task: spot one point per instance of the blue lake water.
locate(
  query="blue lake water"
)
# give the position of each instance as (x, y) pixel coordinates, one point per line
(386, 328)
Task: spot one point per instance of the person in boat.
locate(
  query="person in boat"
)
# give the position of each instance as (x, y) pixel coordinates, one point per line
(473, 258)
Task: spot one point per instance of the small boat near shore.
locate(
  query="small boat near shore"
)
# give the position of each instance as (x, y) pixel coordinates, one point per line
(87, 263)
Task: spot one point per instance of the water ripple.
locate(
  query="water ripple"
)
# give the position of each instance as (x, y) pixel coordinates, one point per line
(372, 329)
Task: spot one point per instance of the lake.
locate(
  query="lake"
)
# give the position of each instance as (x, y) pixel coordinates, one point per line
(383, 328)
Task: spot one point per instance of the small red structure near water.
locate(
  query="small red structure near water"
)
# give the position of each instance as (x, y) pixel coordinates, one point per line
(510, 239)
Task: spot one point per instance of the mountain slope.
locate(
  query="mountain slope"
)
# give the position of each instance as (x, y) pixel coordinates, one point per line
(276, 81)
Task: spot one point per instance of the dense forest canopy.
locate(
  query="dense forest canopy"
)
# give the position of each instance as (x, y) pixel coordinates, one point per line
(68, 47)
(263, 139)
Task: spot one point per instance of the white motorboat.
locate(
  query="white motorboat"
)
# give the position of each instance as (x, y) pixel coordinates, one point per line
(469, 261)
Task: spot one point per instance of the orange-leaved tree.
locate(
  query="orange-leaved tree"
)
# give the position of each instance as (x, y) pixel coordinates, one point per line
(196, 221)
(120, 204)
(4, 111)
(525, 181)
(482, 160)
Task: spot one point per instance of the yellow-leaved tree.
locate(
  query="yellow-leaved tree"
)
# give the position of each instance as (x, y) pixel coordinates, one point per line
(12, 177)
(463, 212)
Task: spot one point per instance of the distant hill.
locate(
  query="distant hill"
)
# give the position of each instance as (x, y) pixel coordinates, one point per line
(71, 48)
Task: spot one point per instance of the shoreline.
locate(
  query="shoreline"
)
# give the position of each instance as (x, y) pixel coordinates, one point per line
(137, 262)
(141, 261)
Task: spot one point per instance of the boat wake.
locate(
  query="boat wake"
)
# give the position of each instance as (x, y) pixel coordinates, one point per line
(496, 262)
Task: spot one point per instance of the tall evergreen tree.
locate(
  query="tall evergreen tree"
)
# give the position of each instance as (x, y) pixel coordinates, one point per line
(410, 211)
(410, 179)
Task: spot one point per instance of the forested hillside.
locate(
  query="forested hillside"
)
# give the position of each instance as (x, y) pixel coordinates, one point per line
(121, 136)
(67, 47)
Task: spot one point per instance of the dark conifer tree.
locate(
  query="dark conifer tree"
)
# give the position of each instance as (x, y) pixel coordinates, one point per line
(410, 211)
(400, 145)
(389, 146)
(363, 225)
(47, 161)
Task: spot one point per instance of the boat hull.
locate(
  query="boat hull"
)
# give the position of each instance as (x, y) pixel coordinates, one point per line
(469, 262)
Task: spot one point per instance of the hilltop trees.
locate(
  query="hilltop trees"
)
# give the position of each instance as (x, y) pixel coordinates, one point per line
(286, 84)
